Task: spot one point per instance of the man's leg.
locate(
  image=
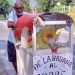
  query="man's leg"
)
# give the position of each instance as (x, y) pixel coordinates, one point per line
(12, 54)
(15, 66)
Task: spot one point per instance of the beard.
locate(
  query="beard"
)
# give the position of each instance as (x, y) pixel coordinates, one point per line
(21, 13)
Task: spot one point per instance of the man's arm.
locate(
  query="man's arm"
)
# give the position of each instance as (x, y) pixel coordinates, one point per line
(10, 23)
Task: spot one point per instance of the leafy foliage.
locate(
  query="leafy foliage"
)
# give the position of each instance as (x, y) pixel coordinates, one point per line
(47, 5)
(4, 7)
(26, 5)
(44, 5)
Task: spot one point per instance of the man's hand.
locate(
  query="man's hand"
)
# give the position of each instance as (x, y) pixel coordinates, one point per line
(10, 25)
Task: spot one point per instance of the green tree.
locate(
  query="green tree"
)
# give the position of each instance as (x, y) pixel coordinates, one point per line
(47, 5)
(26, 5)
(4, 7)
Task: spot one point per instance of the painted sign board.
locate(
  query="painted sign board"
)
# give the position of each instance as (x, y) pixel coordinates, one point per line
(55, 64)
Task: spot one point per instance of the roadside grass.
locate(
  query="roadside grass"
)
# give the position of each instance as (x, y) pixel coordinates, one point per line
(2, 17)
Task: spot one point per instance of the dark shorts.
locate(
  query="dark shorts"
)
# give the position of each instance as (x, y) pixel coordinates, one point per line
(11, 52)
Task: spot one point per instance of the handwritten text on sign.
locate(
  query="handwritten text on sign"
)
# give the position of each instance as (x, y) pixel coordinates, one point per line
(57, 64)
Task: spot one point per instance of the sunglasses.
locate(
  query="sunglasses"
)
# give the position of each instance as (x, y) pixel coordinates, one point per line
(18, 8)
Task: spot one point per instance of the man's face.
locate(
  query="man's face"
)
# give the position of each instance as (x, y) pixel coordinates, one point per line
(19, 9)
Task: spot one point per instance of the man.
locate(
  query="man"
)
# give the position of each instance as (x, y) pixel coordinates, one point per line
(13, 16)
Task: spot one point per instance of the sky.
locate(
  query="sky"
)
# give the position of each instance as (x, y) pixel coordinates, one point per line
(14, 1)
(33, 3)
